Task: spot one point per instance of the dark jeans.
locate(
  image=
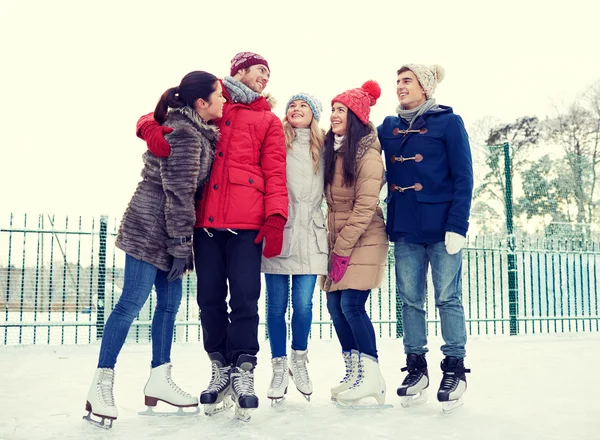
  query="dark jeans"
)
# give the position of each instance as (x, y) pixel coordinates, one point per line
(137, 285)
(228, 259)
(352, 324)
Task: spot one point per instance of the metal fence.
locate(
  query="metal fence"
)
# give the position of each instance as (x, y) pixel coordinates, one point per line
(61, 277)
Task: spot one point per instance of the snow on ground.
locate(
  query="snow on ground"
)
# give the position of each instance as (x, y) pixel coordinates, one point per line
(523, 387)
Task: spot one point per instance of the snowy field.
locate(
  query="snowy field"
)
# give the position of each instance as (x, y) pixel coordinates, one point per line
(525, 387)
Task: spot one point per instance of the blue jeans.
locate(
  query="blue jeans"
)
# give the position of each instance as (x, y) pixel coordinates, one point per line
(412, 262)
(137, 285)
(352, 325)
(278, 287)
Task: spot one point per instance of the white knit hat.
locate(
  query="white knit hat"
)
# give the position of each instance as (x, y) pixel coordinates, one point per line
(429, 76)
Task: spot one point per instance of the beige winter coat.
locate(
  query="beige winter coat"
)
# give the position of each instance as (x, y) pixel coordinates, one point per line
(355, 225)
(304, 250)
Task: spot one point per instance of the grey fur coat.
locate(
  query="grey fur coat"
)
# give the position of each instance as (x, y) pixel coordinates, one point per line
(159, 221)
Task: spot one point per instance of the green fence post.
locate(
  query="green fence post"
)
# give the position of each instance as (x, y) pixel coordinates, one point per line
(101, 276)
(513, 289)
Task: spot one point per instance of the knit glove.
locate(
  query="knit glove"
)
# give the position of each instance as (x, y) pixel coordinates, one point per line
(338, 268)
(154, 134)
(177, 269)
(454, 242)
(272, 232)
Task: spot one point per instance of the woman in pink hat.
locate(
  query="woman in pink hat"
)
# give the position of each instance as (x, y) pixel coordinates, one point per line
(357, 239)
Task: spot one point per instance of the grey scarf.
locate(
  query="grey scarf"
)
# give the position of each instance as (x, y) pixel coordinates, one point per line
(240, 92)
(411, 115)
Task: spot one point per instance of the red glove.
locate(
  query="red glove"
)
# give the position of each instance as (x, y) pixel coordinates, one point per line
(338, 268)
(272, 232)
(154, 134)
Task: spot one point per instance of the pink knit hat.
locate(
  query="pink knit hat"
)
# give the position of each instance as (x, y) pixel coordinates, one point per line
(360, 100)
(243, 60)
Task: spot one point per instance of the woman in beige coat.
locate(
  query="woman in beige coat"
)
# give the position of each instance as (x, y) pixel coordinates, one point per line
(357, 238)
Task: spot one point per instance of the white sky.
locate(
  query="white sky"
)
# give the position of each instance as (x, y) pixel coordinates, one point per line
(526, 387)
(76, 77)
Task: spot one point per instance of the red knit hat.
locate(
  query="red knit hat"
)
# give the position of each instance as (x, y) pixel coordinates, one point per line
(360, 100)
(244, 60)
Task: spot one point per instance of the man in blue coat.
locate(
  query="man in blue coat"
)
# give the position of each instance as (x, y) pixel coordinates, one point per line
(430, 186)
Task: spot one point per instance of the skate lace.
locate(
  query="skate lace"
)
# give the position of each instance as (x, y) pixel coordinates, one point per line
(348, 362)
(359, 376)
(299, 368)
(243, 381)
(278, 372)
(449, 380)
(218, 377)
(413, 376)
(173, 385)
(106, 381)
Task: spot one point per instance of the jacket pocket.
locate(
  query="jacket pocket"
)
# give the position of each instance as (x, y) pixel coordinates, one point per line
(247, 178)
(433, 212)
(320, 235)
(245, 197)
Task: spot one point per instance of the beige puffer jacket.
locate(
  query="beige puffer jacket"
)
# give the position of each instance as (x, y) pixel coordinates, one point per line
(355, 225)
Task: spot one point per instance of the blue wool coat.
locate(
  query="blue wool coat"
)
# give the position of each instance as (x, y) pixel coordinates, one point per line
(435, 160)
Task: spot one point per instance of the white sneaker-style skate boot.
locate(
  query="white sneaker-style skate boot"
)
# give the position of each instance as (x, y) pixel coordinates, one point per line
(279, 382)
(369, 383)
(100, 400)
(242, 386)
(351, 363)
(299, 373)
(453, 384)
(160, 386)
(413, 390)
(216, 397)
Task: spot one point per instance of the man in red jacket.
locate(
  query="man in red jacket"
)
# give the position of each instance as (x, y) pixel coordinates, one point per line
(244, 201)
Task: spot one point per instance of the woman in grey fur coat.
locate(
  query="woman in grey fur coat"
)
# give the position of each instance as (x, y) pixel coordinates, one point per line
(156, 236)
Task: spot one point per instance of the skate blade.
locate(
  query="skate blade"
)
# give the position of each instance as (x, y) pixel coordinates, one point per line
(276, 401)
(210, 409)
(99, 423)
(244, 414)
(414, 400)
(179, 413)
(355, 405)
(452, 405)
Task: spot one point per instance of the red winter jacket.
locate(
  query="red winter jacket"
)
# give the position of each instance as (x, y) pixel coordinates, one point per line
(248, 178)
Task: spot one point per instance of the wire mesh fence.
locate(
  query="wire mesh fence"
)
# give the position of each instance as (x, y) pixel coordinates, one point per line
(60, 277)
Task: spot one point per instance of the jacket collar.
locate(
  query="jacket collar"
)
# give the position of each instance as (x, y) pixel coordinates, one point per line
(420, 121)
(211, 132)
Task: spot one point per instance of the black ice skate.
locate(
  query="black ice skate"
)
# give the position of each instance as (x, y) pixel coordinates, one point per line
(413, 389)
(216, 397)
(242, 385)
(454, 383)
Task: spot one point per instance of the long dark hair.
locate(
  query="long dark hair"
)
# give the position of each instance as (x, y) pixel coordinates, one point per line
(195, 85)
(355, 131)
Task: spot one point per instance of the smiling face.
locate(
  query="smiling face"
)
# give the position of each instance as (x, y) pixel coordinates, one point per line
(213, 108)
(409, 91)
(339, 119)
(255, 77)
(299, 114)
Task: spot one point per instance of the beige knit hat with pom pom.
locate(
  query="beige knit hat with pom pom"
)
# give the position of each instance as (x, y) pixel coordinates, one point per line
(429, 76)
